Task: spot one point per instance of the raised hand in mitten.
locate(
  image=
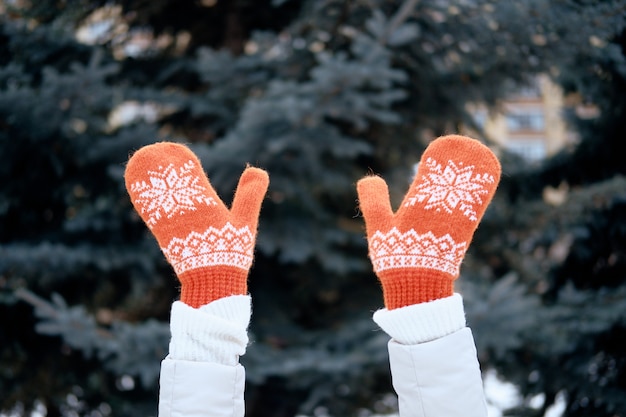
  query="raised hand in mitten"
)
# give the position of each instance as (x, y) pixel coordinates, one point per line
(210, 247)
(417, 251)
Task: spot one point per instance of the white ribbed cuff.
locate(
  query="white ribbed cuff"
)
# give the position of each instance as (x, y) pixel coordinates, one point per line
(424, 322)
(215, 332)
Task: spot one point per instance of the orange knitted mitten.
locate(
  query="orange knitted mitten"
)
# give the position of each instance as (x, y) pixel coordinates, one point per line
(210, 248)
(416, 252)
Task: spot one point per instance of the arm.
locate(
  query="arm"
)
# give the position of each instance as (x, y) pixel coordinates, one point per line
(201, 376)
(433, 360)
(211, 250)
(416, 253)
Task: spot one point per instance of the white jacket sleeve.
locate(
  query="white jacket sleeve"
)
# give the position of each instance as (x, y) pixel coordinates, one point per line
(201, 389)
(201, 376)
(433, 359)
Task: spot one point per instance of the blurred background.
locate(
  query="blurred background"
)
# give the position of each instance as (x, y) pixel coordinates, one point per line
(319, 93)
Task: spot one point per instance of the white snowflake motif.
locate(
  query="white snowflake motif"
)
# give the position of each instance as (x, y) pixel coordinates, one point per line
(170, 191)
(451, 187)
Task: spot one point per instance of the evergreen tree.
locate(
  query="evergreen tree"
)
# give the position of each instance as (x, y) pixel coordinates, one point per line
(570, 250)
(319, 94)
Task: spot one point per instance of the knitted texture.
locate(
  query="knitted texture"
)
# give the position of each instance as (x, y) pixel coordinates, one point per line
(423, 322)
(210, 247)
(417, 251)
(215, 332)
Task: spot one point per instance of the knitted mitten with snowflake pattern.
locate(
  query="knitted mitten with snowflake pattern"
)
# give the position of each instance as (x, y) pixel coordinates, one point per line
(210, 247)
(417, 251)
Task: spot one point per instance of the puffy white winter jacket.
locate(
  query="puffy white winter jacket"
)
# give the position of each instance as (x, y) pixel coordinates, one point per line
(432, 355)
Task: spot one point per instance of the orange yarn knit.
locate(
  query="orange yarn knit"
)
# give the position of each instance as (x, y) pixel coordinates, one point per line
(210, 248)
(416, 252)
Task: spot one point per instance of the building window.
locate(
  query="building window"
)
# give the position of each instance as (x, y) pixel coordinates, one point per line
(480, 118)
(529, 91)
(529, 149)
(525, 121)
